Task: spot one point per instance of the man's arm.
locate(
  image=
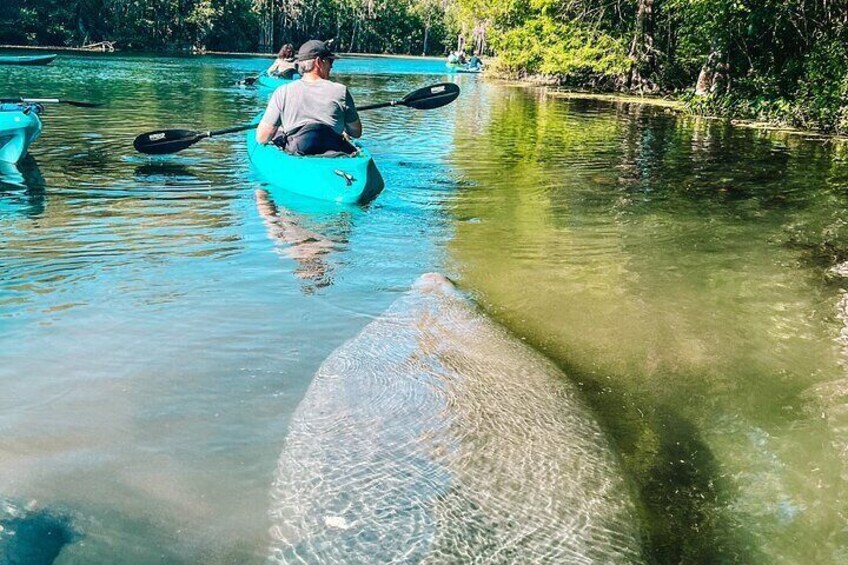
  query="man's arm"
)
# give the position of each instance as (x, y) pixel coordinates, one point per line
(270, 120)
(353, 126)
(264, 132)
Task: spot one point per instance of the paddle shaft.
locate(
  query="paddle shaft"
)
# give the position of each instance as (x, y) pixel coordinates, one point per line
(50, 101)
(234, 129)
(380, 105)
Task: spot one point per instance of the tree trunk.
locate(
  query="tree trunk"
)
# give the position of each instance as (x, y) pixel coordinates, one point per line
(714, 76)
(426, 36)
(353, 35)
(642, 54)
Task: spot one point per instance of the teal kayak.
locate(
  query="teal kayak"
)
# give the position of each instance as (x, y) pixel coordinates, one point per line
(457, 68)
(26, 59)
(272, 83)
(347, 179)
(19, 127)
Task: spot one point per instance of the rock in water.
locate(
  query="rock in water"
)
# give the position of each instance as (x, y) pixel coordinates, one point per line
(436, 436)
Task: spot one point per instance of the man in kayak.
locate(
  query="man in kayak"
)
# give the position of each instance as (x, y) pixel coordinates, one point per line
(313, 115)
(284, 65)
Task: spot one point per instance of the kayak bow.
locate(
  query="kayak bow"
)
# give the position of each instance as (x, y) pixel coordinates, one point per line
(19, 127)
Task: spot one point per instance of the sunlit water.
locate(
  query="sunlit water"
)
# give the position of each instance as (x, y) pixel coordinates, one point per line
(658, 260)
(158, 320)
(161, 319)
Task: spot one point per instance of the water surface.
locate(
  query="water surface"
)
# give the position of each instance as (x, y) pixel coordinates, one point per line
(676, 269)
(162, 318)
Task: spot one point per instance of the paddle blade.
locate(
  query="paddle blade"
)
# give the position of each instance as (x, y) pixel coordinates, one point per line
(166, 141)
(434, 96)
(81, 104)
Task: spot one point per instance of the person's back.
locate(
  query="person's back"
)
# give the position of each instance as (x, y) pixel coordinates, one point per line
(311, 116)
(304, 102)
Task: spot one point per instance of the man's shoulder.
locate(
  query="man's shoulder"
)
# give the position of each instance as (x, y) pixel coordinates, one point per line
(330, 85)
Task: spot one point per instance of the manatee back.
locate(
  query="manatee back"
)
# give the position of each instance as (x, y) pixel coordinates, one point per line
(436, 436)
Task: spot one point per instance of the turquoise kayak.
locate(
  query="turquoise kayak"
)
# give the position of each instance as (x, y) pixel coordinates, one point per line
(272, 83)
(457, 68)
(345, 179)
(26, 59)
(19, 127)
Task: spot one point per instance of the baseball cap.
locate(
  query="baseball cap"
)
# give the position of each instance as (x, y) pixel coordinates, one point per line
(315, 48)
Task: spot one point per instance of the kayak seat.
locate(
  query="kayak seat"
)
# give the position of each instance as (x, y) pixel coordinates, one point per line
(315, 139)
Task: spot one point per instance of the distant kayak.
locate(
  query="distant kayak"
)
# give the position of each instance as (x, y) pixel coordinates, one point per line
(19, 127)
(343, 179)
(26, 59)
(272, 83)
(456, 68)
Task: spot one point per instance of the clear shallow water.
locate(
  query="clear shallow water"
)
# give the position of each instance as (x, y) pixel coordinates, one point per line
(160, 321)
(673, 268)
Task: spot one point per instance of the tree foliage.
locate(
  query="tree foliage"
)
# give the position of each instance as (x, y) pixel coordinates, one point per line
(775, 59)
(228, 25)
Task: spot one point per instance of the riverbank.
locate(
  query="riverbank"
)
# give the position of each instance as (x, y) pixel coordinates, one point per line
(682, 107)
(244, 54)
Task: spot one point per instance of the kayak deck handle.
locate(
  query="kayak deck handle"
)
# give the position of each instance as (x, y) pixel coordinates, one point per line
(348, 178)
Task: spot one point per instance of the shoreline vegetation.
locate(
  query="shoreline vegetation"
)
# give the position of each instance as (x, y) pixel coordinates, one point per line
(784, 64)
(551, 83)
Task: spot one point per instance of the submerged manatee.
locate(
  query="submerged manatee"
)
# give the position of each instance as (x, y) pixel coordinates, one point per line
(435, 436)
(31, 536)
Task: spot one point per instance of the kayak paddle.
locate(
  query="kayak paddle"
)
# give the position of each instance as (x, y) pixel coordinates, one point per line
(173, 140)
(51, 101)
(426, 98)
(167, 141)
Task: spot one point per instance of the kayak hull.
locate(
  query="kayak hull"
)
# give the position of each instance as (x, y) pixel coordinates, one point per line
(456, 68)
(343, 179)
(270, 83)
(19, 127)
(26, 59)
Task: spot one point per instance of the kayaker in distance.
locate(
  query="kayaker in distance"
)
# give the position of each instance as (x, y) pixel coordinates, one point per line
(475, 63)
(311, 116)
(284, 65)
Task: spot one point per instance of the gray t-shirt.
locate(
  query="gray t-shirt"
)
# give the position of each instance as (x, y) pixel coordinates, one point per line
(309, 101)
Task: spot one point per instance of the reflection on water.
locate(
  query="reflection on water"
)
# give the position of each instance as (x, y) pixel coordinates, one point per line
(665, 262)
(21, 188)
(310, 250)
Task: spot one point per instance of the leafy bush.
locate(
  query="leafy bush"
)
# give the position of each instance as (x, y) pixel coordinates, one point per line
(544, 46)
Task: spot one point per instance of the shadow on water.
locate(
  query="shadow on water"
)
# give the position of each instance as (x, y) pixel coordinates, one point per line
(679, 480)
(32, 537)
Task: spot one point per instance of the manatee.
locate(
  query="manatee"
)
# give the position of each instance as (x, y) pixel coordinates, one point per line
(436, 436)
